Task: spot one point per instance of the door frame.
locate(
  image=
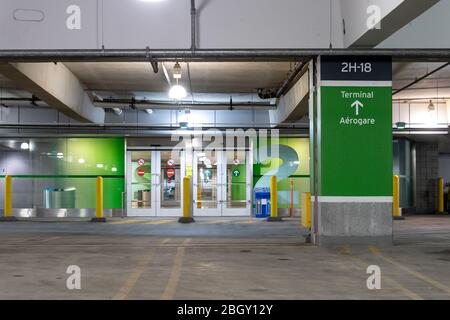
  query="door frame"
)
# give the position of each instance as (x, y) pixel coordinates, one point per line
(155, 209)
(248, 190)
(207, 212)
(144, 212)
(169, 212)
(221, 210)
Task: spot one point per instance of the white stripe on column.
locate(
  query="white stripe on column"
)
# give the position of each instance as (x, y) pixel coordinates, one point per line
(353, 199)
(355, 83)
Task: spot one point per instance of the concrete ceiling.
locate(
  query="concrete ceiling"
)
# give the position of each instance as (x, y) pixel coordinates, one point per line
(436, 85)
(206, 77)
(6, 83)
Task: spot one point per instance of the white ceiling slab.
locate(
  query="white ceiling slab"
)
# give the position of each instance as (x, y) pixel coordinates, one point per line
(207, 77)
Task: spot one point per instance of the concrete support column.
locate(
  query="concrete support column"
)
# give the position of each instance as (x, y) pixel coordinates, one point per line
(352, 160)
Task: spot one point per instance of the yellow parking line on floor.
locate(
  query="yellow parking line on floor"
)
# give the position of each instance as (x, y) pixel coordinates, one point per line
(377, 252)
(134, 276)
(363, 264)
(174, 278)
(126, 221)
(160, 221)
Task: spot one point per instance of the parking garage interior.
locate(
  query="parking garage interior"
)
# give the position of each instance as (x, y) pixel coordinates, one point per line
(240, 142)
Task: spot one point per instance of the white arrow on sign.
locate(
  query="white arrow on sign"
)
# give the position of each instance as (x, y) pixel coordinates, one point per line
(357, 104)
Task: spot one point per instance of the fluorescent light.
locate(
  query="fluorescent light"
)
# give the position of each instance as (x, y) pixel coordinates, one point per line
(24, 146)
(177, 92)
(117, 111)
(99, 165)
(59, 155)
(421, 132)
(114, 169)
(81, 160)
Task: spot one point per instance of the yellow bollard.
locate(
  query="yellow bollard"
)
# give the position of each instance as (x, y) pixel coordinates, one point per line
(396, 197)
(306, 209)
(441, 195)
(273, 200)
(99, 216)
(187, 217)
(8, 197)
(7, 205)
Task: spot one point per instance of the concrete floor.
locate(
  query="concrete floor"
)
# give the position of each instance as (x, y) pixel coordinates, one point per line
(220, 258)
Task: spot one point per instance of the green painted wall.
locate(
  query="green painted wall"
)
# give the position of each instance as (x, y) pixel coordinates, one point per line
(292, 165)
(76, 162)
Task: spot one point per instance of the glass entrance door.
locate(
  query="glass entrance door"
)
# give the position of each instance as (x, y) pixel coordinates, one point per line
(222, 184)
(141, 177)
(154, 185)
(206, 183)
(171, 168)
(236, 185)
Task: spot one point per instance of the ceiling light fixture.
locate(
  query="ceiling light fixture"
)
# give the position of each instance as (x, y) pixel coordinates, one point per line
(177, 91)
(117, 111)
(149, 111)
(24, 146)
(176, 71)
(431, 106)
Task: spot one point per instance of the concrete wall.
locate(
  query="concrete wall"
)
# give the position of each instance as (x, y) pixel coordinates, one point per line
(294, 103)
(429, 30)
(444, 167)
(427, 167)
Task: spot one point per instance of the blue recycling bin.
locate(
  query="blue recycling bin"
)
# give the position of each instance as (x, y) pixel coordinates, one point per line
(262, 201)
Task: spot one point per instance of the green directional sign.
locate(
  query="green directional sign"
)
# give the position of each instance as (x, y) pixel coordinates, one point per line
(236, 173)
(356, 141)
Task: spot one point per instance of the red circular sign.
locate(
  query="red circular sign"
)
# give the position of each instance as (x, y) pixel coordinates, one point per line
(170, 173)
(141, 172)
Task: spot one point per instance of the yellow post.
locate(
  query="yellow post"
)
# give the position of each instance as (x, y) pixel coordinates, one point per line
(99, 216)
(396, 197)
(8, 212)
(306, 209)
(441, 195)
(199, 197)
(187, 216)
(186, 197)
(273, 200)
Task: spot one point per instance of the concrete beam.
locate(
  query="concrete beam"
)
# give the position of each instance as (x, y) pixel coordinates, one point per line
(294, 104)
(395, 14)
(57, 86)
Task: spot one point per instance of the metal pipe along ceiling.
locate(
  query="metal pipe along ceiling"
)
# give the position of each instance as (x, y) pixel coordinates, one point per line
(133, 55)
(125, 104)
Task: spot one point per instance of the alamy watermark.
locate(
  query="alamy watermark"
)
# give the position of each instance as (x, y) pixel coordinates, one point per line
(265, 143)
(73, 282)
(374, 280)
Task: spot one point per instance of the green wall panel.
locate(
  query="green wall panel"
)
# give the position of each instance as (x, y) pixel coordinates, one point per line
(292, 164)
